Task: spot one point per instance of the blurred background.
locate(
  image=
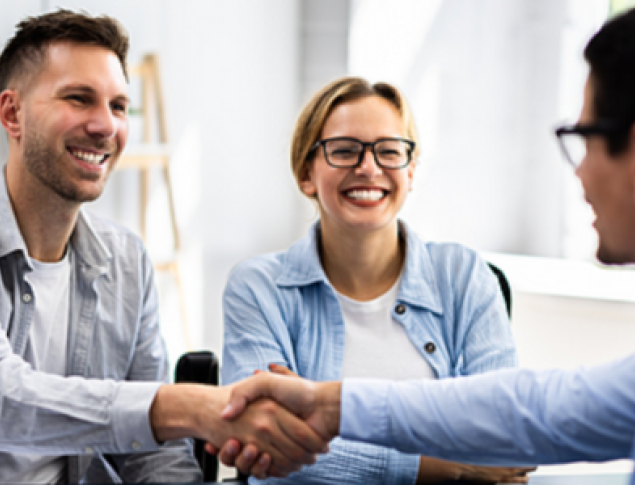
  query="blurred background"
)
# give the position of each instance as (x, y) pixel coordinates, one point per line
(488, 81)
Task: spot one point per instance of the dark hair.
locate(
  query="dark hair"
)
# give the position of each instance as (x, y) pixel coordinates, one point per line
(25, 52)
(611, 57)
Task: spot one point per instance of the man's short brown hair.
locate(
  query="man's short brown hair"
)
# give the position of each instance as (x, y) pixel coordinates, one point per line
(25, 53)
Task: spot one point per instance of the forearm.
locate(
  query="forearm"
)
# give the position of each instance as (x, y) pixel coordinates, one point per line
(184, 410)
(435, 470)
(65, 415)
(516, 417)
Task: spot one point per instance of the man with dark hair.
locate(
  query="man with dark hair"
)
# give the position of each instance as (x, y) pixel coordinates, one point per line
(78, 307)
(516, 416)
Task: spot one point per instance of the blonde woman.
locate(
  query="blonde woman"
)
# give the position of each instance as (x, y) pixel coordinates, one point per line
(361, 295)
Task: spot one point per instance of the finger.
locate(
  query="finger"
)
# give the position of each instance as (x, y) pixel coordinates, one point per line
(228, 453)
(260, 468)
(281, 370)
(302, 434)
(211, 449)
(275, 472)
(247, 458)
(286, 447)
(245, 392)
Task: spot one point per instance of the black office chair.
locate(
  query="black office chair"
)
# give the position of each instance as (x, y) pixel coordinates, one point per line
(504, 285)
(202, 367)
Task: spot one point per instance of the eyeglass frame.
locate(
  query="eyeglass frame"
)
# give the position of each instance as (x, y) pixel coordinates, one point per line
(364, 144)
(596, 128)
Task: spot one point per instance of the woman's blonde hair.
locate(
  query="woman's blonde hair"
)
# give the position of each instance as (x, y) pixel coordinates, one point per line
(313, 116)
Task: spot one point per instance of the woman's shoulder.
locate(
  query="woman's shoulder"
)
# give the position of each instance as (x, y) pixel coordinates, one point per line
(443, 252)
(445, 263)
(257, 270)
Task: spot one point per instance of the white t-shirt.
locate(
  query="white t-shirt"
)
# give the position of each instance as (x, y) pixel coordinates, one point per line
(46, 352)
(376, 345)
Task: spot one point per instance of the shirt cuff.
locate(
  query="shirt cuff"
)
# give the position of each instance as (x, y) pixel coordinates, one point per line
(131, 416)
(364, 415)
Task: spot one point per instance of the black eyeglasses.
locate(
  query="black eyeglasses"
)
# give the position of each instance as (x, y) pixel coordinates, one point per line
(572, 138)
(344, 152)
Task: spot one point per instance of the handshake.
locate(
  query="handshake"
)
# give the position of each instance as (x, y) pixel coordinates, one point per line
(266, 425)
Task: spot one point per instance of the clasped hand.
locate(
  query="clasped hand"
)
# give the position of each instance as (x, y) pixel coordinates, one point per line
(315, 404)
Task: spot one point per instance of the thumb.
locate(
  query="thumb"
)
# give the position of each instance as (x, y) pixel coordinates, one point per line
(243, 393)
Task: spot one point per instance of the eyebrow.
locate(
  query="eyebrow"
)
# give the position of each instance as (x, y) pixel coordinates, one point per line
(85, 89)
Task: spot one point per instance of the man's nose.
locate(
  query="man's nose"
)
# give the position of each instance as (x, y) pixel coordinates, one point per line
(102, 122)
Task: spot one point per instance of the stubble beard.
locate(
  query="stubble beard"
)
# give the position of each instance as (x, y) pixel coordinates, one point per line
(42, 161)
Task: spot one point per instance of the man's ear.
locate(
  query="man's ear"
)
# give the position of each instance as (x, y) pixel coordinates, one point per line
(10, 113)
(306, 181)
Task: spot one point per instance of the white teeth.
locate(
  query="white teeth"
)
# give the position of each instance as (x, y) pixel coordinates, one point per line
(372, 195)
(89, 157)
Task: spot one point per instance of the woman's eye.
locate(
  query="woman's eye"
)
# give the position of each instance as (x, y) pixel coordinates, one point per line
(344, 153)
(76, 97)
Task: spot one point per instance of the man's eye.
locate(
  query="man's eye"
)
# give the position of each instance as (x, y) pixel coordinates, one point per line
(76, 98)
(120, 107)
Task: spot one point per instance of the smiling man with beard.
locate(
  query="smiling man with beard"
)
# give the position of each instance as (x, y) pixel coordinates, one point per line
(82, 361)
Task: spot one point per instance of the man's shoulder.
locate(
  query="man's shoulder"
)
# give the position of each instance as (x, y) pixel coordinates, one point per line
(111, 233)
(101, 239)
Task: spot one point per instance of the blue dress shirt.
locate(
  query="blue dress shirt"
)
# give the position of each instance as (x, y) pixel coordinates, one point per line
(509, 417)
(281, 308)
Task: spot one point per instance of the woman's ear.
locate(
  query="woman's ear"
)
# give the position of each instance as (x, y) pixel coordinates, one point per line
(411, 173)
(10, 113)
(306, 181)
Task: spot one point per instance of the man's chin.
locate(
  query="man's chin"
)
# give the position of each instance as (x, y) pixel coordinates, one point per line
(611, 257)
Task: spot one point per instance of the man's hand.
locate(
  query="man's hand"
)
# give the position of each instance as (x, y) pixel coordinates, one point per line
(319, 404)
(181, 410)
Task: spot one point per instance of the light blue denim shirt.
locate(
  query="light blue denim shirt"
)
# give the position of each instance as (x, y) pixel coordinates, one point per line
(281, 308)
(511, 417)
(113, 336)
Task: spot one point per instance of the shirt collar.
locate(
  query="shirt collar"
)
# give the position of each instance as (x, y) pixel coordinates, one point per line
(419, 287)
(418, 283)
(85, 242)
(302, 262)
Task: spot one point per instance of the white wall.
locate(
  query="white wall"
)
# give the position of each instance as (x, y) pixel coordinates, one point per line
(487, 84)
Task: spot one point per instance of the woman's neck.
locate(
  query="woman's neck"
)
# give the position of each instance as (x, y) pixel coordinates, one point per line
(362, 265)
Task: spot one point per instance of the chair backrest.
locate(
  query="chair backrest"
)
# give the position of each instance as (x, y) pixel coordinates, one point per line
(505, 288)
(200, 368)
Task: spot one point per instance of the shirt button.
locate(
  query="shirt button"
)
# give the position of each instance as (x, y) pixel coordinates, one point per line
(136, 445)
(88, 450)
(430, 347)
(26, 298)
(400, 309)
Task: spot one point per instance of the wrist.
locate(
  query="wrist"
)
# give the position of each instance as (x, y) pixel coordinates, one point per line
(329, 401)
(173, 413)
